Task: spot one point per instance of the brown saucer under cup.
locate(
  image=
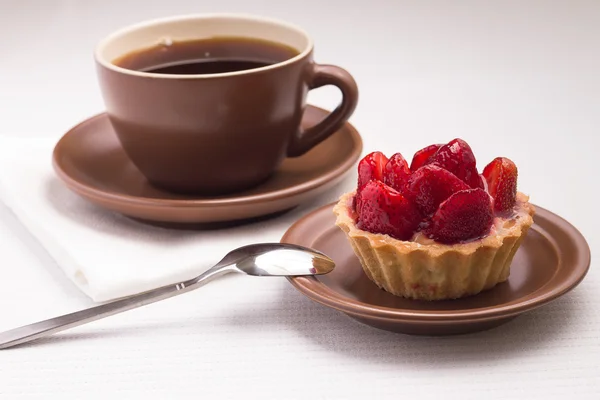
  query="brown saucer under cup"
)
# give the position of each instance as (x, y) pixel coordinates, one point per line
(90, 161)
(216, 133)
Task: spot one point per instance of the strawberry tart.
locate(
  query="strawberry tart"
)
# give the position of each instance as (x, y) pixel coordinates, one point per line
(437, 229)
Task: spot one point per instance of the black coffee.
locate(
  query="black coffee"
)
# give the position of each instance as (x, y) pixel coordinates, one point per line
(207, 56)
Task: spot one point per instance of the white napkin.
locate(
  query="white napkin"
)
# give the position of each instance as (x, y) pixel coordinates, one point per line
(105, 254)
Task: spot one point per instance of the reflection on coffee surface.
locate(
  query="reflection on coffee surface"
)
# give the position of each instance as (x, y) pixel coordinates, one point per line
(206, 56)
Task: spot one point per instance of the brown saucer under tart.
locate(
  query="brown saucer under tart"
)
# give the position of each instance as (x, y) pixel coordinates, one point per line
(553, 258)
(92, 163)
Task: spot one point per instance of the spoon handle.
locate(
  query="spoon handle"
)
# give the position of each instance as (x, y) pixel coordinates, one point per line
(48, 327)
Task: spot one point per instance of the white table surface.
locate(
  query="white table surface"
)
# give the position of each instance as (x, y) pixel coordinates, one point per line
(517, 78)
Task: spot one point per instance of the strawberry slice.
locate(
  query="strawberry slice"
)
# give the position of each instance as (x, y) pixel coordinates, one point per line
(396, 173)
(457, 157)
(371, 167)
(501, 176)
(465, 215)
(382, 209)
(423, 156)
(430, 185)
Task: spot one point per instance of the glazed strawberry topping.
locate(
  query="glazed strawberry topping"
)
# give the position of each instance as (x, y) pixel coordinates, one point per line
(430, 185)
(465, 214)
(384, 210)
(457, 157)
(424, 156)
(396, 172)
(371, 168)
(501, 176)
(441, 193)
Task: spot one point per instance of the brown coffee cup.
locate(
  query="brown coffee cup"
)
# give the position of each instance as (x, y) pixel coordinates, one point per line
(217, 133)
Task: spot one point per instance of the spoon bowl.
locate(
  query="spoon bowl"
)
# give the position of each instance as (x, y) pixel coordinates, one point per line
(277, 259)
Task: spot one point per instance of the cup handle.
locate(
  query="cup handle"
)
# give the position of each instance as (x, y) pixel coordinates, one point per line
(323, 75)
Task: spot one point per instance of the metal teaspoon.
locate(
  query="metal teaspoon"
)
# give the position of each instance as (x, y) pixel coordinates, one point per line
(266, 259)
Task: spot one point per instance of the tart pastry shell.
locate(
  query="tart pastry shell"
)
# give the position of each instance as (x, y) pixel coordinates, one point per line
(426, 270)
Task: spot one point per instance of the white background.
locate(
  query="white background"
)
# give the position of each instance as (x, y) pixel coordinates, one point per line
(514, 78)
